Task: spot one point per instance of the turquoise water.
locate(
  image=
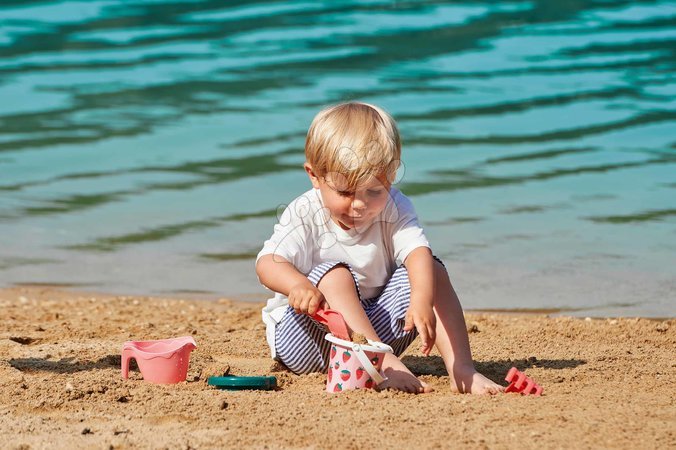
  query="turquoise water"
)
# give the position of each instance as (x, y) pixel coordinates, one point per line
(146, 146)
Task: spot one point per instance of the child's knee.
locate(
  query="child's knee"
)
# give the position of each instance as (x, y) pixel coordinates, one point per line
(338, 276)
(441, 275)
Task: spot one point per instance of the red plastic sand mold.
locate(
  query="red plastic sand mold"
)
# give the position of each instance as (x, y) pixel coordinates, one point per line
(519, 382)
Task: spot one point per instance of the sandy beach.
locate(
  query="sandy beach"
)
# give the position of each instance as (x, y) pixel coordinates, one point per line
(608, 383)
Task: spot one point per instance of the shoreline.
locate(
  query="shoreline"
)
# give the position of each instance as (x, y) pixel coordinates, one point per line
(607, 382)
(256, 299)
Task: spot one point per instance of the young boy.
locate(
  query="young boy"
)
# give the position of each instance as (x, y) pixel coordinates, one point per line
(353, 243)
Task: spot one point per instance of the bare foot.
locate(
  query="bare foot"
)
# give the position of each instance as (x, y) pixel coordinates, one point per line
(469, 381)
(400, 378)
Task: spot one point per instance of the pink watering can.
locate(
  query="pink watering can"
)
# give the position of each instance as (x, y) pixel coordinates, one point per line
(164, 361)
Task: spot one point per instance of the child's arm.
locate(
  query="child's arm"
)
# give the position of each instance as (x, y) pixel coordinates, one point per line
(420, 266)
(279, 275)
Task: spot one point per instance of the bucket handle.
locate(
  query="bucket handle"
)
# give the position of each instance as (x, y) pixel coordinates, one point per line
(367, 364)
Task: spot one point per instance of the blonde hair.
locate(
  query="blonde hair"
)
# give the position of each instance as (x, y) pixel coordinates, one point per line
(355, 139)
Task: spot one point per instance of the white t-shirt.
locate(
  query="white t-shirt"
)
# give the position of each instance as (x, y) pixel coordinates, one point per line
(306, 237)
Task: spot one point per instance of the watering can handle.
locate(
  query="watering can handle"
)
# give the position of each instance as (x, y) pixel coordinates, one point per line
(335, 321)
(126, 356)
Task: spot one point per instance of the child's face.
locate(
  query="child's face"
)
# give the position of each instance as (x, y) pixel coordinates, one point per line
(351, 209)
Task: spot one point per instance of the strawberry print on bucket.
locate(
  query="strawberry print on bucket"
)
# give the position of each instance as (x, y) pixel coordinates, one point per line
(351, 365)
(354, 366)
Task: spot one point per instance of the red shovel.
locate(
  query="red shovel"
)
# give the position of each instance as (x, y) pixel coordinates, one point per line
(335, 321)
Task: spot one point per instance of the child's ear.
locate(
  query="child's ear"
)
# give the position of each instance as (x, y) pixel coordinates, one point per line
(311, 174)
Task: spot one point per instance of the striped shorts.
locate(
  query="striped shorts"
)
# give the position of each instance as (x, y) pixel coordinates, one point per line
(299, 339)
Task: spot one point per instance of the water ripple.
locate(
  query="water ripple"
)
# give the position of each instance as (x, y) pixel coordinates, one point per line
(176, 128)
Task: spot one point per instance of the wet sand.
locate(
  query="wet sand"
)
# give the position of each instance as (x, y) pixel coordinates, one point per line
(609, 383)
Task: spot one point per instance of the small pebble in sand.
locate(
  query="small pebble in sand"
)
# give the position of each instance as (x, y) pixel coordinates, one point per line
(278, 367)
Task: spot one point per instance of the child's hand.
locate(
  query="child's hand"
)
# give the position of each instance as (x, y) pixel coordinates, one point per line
(421, 316)
(305, 298)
